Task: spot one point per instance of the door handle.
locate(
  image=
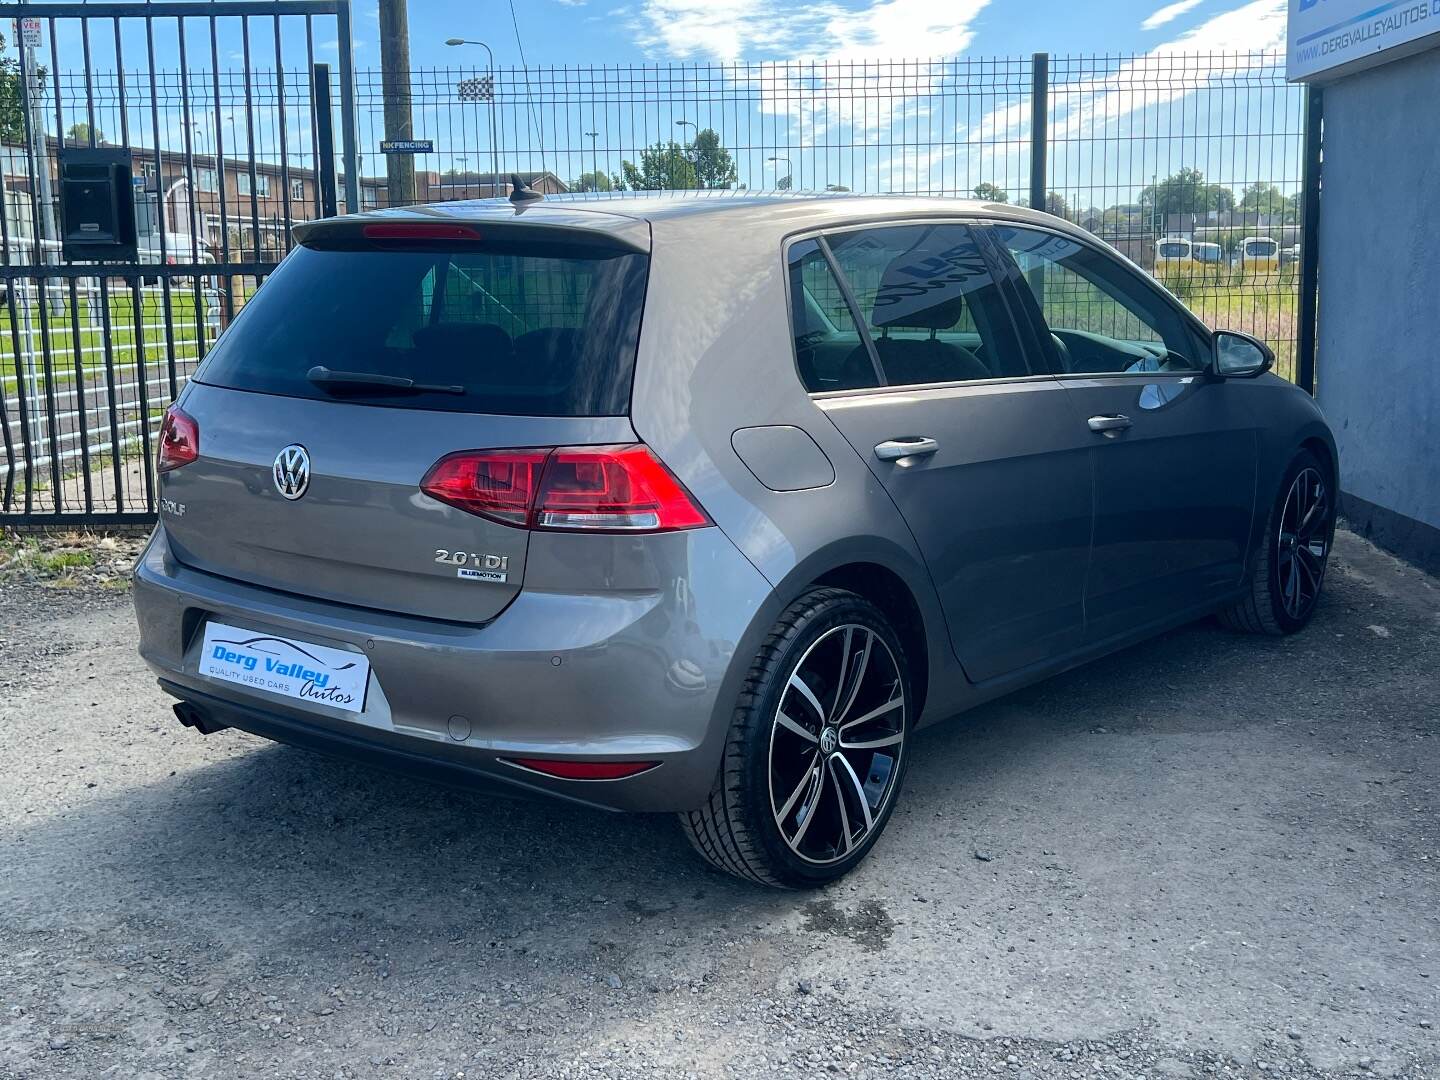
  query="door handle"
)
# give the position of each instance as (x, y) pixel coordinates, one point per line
(909, 446)
(1109, 425)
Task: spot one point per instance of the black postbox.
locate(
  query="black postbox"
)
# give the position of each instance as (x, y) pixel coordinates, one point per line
(97, 204)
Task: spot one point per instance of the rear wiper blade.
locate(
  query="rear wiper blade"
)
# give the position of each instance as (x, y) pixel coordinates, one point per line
(322, 376)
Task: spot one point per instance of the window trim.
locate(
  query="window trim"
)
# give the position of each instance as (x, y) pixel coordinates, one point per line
(1030, 305)
(1020, 327)
(853, 304)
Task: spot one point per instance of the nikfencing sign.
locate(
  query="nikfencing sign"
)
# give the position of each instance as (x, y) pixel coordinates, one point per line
(1329, 38)
(407, 146)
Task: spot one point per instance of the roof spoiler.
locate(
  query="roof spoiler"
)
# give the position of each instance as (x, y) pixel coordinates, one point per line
(405, 229)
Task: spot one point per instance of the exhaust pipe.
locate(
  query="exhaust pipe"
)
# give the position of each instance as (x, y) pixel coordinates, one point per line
(192, 716)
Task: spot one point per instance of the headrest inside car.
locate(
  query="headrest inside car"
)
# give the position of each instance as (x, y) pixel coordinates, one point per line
(924, 289)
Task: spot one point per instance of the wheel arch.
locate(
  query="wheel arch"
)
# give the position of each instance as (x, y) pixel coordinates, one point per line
(888, 591)
(895, 581)
(1325, 451)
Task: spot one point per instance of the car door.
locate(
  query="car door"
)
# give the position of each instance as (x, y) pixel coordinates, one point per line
(911, 350)
(1174, 451)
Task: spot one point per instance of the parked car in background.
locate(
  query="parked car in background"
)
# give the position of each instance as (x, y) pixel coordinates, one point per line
(1258, 253)
(708, 502)
(1207, 255)
(1289, 255)
(1172, 254)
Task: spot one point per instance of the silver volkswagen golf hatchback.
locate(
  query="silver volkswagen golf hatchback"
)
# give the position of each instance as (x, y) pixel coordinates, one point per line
(705, 503)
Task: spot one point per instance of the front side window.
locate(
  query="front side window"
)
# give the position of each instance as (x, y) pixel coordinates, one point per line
(1103, 318)
(929, 303)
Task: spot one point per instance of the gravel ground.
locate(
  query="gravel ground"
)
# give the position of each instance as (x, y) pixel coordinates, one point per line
(1208, 856)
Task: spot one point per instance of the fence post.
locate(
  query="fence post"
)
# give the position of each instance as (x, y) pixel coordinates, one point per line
(1310, 237)
(347, 109)
(325, 137)
(1039, 127)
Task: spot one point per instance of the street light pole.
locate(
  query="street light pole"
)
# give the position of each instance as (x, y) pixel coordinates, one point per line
(490, 74)
(691, 147)
(594, 158)
(789, 170)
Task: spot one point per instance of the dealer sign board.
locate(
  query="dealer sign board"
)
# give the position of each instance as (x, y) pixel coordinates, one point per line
(1330, 38)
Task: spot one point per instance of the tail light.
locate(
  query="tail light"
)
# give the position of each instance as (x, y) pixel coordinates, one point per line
(574, 488)
(179, 440)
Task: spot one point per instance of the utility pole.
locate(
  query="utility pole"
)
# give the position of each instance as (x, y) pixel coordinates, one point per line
(395, 84)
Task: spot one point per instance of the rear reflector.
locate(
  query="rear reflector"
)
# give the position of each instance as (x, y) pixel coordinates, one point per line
(419, 230)
(572, 488)
(585, 770)
(179, 440)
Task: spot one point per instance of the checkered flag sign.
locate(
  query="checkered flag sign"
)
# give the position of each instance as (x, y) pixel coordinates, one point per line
(480, 88)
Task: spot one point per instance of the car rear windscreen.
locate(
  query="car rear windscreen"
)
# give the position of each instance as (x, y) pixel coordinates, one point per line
(545, 332)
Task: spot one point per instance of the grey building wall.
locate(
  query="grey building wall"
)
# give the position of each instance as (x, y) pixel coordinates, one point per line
(1378, 363)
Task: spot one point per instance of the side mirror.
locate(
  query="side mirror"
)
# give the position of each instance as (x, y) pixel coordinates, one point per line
(1239, 356)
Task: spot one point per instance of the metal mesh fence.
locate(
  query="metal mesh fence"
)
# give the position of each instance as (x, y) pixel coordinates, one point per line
(1189, 164)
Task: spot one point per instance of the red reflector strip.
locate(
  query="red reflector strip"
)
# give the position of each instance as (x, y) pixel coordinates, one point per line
(585, 770)
(419, 230)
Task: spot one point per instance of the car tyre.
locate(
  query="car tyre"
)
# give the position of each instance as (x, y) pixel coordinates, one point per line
(815, 755)
(1289, 570)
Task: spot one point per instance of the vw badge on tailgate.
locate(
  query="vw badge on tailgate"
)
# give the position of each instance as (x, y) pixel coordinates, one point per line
(292, 471)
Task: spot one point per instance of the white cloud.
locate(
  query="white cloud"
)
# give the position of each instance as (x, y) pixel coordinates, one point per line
(1169, 13)
(1166, 73)
(732, 29)
(571, 3)
(894, 29)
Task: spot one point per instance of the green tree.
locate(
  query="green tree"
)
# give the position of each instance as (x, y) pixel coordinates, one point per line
(12, 118)
(79, 134)
(1263, 198)
(592, 181)
(663, 167)
(1186, 192)
(988, 192)
(714, 167)
(1054, 204)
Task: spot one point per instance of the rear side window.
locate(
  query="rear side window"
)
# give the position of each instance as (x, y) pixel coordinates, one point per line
(931, 309)
(525, 333)
(829, 351)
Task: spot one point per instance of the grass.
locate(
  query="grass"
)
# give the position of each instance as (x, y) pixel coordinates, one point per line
(70, 559)
(84, 324)
(28, 556)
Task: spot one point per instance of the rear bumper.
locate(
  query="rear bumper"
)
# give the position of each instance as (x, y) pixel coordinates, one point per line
(645, 674)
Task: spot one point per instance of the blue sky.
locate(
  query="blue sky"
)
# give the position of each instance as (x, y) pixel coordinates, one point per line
(607, 31)
(938, 127)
